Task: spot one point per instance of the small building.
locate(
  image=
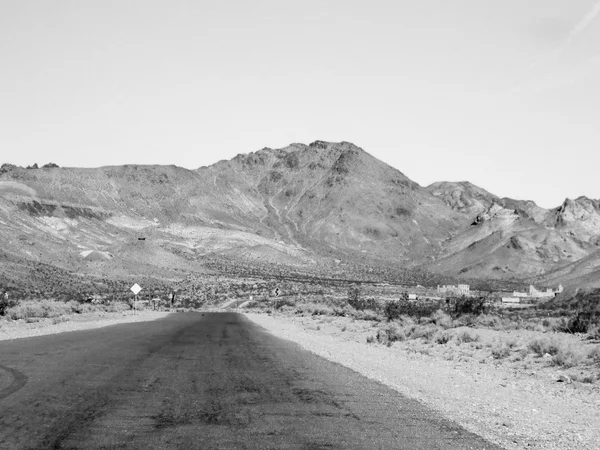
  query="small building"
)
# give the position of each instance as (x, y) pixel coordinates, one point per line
(511, 300)
(461, 289)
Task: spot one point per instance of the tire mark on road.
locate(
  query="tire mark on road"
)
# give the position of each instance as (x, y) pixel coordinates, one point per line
(19, 380)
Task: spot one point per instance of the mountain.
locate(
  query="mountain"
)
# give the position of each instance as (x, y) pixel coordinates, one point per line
(307, 207)
(513, 239)
(334, 199)
(463, 196)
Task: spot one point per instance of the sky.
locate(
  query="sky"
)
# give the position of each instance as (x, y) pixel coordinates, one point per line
(504, 94)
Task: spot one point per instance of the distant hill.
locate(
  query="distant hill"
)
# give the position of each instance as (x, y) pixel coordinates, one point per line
(303, 206)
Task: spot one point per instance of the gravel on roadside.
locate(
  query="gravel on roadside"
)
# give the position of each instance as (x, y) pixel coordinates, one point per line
(514, 410)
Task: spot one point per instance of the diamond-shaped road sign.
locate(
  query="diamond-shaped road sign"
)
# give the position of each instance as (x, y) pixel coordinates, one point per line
(135, 289)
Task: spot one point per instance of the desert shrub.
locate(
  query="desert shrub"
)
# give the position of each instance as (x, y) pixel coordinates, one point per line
(466, 337)
(316, 309)
(593, 331)
(7, 302)
(117, 307)
(567, 356)
(390, 333)
(281, 302)
(442, 319)
(367, 314)
(542, 346)
(490, 321)
(370, 339)
(469, 305)
(60, 319)
(583, 321)
(40, 309)
(356, 301)
(426, 332)
(396, 309)
(500, 351)
(442, 337)
(81, 308)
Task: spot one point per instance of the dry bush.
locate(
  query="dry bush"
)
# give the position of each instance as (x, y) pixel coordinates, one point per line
(39, 309)
(117, 307)
(500, 351)
(442, 319)
(442, 337)
(542, 346)
(465, 337)
(367, 314)
(491, 321)
(391, 332)
(280, 303)
(81, 308)
(569, 356)
(403, 307)
(314, 309)
(426, 332)
(60, 319)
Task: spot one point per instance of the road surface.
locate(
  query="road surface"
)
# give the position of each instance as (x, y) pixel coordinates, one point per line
(201, 381)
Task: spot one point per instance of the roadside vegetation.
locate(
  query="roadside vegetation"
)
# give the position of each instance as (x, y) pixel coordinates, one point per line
(35, 310)
(561, 334)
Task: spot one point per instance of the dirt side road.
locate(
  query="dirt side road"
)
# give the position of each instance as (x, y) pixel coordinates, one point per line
(203, 381)
(514, 409)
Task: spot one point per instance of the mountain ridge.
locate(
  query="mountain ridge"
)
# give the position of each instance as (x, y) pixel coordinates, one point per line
(303, 205)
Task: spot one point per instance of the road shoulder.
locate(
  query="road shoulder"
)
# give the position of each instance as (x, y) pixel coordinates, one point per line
(21, 329)
(511, 409)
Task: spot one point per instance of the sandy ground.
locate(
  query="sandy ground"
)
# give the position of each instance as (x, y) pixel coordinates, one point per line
(21, 329)
(514, 408)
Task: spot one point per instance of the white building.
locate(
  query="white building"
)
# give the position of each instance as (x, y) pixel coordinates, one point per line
(461, 289)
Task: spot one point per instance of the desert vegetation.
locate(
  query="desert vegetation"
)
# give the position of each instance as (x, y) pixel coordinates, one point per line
(559, 334)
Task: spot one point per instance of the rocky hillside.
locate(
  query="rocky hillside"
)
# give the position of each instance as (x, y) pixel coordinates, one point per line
(308, 206)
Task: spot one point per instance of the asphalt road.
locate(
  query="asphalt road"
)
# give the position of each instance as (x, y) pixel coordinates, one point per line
(201, 381)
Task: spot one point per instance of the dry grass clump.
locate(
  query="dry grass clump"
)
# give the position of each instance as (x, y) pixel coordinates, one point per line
(564, 354)
(442, 337)
(390, 333)
(33, 310)
(314, 309)
(543, 346)
(501, 350)
(41, 309)
(116, 307)
(465, 337)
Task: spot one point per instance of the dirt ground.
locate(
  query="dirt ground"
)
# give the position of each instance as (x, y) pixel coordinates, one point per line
(517, 403)
(22, 329)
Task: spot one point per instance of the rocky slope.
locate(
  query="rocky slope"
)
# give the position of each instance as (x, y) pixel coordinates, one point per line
(299, 206)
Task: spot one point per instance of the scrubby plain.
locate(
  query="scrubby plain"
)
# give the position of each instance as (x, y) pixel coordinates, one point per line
(562, 336)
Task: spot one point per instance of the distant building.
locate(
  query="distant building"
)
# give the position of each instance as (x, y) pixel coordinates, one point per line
(533, 292)
(511, 300)
(460, 289)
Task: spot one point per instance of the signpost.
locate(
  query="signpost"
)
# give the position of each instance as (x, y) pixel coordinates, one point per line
(136, 290)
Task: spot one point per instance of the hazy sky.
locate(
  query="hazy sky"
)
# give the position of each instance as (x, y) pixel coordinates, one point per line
(503, 93)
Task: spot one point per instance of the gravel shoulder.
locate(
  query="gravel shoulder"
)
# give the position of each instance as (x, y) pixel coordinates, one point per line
(21, 329)
(514, 408)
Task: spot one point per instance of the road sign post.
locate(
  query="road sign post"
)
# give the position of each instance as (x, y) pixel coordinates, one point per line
(136, 290)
